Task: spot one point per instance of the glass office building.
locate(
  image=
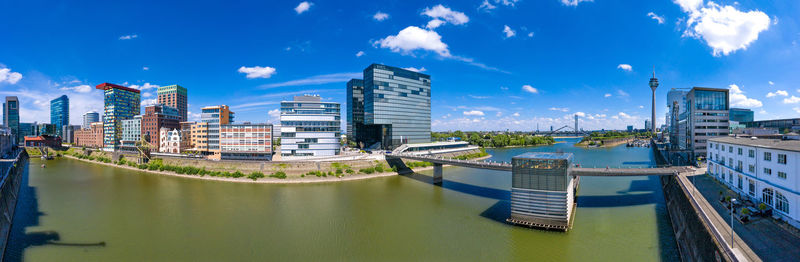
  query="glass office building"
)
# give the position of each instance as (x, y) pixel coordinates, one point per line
(120, 103)
(59, 113)
(741, 115)
(175, 96)
(310, 127)
(397, 107)
(89, 118)
(706, 118)
(355, 108)
(214, 116)
(11, 117)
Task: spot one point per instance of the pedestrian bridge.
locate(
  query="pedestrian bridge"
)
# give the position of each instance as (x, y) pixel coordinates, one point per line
(543, 185)
(438, 161)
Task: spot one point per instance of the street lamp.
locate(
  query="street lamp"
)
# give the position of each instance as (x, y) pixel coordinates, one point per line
(732, 200)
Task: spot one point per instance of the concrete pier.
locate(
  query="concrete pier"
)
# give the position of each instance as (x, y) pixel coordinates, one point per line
(542, 190)
(437, 174)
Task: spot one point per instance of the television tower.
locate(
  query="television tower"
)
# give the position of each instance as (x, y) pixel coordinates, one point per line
(653, 86)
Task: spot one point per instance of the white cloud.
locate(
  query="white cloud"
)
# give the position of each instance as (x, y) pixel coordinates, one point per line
(724, 28)
(797, 110)
(600, 115)
(486, 6)
(147, 94)
(771, 83)
(656, 17)
(623, 115)
(641, 107)
(360, 53)
(316, 80)
(145, 68)
(516, 114)
(9, 77)
(625, 67)
(128, 37)
(149, 102)
(778, 93)
(607, 95)
(146, 86)
(573, 2)
(380, 16)
(444, 14)
(791, 100)
(580, 114)
(503, 88)
(414, 38)
(302, 7)
(473, 113)
(530, 89)
(274, 115)
(738, 99)
(79, 88)
(418, 70)
(478, 97)
(509, 33)
(433, 24)
(257, 71)
(622, 93)
(562, 109)
(193, 116)
(499, 114)
(530, 34)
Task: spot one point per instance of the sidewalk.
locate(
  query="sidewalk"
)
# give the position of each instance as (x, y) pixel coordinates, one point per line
(766, 238)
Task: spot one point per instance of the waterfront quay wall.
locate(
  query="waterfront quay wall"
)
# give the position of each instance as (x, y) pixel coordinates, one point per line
(695, 240)
(11, 172)
(291, 168)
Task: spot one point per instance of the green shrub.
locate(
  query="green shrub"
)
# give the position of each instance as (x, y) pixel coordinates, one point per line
(237, 174)
(255, 175)
(349, 171)
(368, 170)
(279, 175)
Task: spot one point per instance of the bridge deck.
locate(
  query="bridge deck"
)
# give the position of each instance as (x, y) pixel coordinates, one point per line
(577, 171)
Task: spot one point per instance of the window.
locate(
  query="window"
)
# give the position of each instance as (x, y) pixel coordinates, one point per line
(766, 196)
(751, 153)
(739, 166)
(751, 188)
(723, 147)
(781, 174)
(782, 159)
(781, 203)
(730, 161)
(767, 156)
(751, 168)
(730, 149)
(739, 151)
(739, 182)
(767, 171)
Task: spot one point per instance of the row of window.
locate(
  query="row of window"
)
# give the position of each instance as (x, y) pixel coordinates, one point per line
(781, 202)
(751, 153)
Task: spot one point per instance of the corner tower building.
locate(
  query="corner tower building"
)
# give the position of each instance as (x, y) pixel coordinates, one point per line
(119, 103)
(397, 107)
(175, 96)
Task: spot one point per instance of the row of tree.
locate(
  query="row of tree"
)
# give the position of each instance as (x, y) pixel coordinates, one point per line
(487, 139)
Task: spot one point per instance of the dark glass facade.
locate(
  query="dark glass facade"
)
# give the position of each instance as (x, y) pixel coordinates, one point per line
(541, 171)
(59, 113)
(741, 115)
(397, 107)
(710, 100)
(355, 108)
(11, 116)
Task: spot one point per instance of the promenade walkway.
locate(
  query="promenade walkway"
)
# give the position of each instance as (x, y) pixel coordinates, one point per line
(765, 236)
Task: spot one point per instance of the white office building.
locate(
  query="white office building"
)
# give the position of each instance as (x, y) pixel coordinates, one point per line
(762, 170)
(310, 127)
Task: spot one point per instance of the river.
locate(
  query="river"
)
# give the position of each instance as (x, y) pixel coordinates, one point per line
(148, 217)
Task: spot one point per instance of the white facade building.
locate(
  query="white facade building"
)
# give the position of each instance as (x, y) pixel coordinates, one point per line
(169, 141)
(762, 170)
(246, 141)
(310, 127)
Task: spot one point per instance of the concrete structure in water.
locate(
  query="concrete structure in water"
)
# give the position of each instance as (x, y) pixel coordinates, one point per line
(542, 190)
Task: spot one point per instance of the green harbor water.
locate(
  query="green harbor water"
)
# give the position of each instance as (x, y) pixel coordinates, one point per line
(147, 217)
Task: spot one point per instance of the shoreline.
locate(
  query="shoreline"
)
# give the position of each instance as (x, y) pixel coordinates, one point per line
(265, 180)
(609, 145)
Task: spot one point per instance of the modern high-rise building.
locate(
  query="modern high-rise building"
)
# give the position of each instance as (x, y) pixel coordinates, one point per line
(213, 117)
(706, 117)
(154, 119)
(647, 125)
(397, 107)
(741, 115)
(89, 118)
(310, 127)
(28, 129)
(653, 85)
(59, 113)
(120, 103)
(355, 108)
(68, 133)
(11, 117)
(676, 104)
(630, 129)
(175, 96)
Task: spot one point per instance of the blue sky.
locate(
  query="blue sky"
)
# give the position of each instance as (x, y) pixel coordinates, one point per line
(494, 64)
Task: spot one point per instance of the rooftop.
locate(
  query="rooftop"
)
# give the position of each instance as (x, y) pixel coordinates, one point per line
(544, 155)
(787, 145)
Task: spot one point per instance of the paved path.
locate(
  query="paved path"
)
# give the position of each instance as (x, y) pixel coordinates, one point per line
(766, 238)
